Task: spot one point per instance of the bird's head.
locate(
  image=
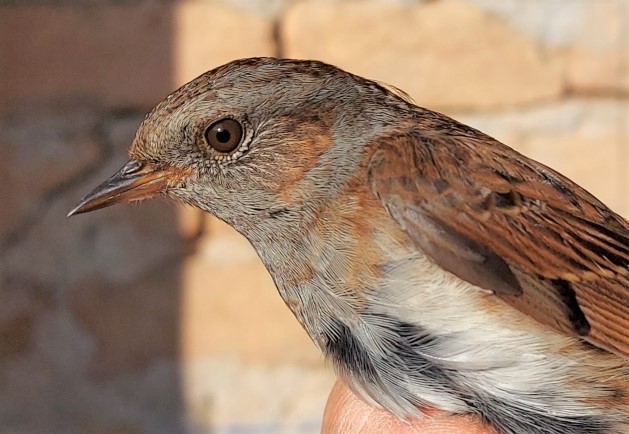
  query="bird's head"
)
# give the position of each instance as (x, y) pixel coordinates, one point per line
(252, 139)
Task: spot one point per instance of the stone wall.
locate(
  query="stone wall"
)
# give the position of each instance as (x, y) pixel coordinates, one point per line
(157, 319)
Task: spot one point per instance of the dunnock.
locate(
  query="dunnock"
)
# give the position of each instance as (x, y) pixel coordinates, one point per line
(435, 266)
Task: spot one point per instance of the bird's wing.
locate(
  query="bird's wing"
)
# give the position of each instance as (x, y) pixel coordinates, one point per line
(511, 225)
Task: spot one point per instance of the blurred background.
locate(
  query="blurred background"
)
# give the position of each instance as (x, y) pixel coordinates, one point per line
(157, 319)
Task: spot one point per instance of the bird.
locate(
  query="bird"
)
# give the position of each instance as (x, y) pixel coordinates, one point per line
(434, 266)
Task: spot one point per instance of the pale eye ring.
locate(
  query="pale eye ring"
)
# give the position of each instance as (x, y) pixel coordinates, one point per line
(224, 135)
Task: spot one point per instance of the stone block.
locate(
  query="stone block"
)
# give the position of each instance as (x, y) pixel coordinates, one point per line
(591, 37)
(232, 309)
(445, 54)
(598, 57)
(227, 396)
(209, 34)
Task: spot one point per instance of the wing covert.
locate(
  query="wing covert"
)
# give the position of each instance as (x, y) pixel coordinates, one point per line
(506, 223)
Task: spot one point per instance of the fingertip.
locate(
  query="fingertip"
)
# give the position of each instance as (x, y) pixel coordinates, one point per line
(347, 414)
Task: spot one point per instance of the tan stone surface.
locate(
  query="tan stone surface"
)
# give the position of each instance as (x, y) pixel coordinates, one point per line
(598, 60)
(224, 394)
(230, 305)
(591, 36)
(624, 162)
(190, 221)
(445, 54)
(590, 161)
(210, 34)
(222, 244)
(231, 308)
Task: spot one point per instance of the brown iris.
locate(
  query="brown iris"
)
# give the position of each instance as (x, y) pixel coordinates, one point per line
(224, 135)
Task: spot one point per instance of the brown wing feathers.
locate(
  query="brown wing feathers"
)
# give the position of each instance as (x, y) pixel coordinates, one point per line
(536, 233)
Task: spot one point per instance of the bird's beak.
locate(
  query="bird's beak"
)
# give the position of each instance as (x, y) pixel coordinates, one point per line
(135, 181)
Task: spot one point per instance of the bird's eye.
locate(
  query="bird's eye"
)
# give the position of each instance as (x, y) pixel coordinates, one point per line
(224, 135)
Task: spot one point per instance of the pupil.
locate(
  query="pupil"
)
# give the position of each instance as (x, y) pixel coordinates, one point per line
(222, 135)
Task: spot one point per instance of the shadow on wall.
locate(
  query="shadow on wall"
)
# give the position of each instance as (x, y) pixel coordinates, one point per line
(108, 324)
(89, 307)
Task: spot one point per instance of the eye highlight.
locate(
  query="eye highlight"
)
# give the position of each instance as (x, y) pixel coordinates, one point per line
(224, 135)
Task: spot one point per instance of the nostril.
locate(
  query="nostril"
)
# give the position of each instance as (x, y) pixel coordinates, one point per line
(132, 167)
